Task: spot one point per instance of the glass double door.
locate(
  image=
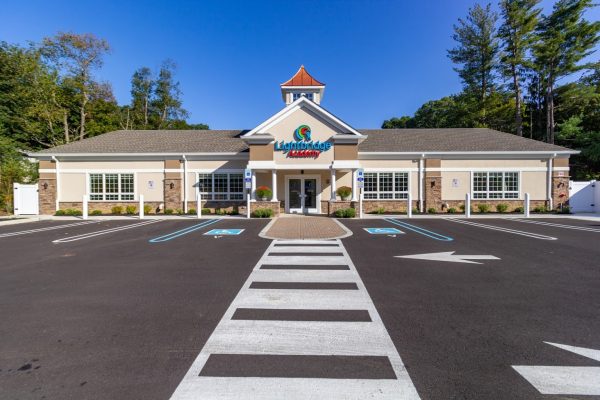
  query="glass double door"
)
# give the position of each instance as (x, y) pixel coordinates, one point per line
(302, 195)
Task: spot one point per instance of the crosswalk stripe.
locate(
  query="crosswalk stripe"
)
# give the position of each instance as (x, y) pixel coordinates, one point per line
(306, 242)
(246, 339)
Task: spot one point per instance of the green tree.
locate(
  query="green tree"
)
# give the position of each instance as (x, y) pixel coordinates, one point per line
(399, 123)
(519, 19)
(565, 38)
(142, 87)
(167, 104)
(476, 52)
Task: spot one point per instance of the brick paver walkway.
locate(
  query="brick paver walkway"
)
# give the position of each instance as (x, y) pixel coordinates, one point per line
(305, 227)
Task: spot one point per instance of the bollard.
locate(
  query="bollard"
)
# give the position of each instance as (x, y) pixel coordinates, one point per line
(199, 206)
(141, 209)
(84, 210)
(526, 206)
(360, 204)
(468, 205)
(409, 206)
(248, 205)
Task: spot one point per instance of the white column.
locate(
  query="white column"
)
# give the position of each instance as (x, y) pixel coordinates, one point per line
(84, 207)
(57, 205)
(468, 205)
(549, 187)
(253, 191)
(198, 204)
(354, 185)
(185, 188)
(421, 185)
(274, 184)
(526, 206)
(333, 184)
(141, 207)
(409, 205)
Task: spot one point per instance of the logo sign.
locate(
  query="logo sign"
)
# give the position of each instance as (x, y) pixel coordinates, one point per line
(303, 146)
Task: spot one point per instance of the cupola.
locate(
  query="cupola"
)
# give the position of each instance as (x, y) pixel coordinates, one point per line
(302, 84)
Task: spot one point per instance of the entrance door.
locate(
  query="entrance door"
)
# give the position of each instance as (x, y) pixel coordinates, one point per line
(302, 195)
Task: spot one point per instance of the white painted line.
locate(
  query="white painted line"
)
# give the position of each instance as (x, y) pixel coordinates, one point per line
(302, 299)
(449, 256)
(104, 232)
(314, 242)
(298, 275)
(218, 388)
(574, 227)
(48, 228)
(305, 249)
(582, 351)
(501, 229)
(299, 337)
(575, 381)
(305, 260)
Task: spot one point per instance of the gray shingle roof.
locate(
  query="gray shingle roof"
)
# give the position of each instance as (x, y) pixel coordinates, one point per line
(449, 139)
(157, 141)
(229, 141)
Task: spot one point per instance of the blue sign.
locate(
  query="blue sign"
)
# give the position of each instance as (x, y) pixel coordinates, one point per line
(383, 231)
(224, 232)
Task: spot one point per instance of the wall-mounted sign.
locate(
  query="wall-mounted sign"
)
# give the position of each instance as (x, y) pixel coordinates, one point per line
(150, 184)
(303, 145)
(455, 183)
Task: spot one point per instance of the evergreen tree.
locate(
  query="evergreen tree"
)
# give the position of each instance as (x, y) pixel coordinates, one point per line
(519, 19)
(565, 38)
(167, 104)
(142, 87)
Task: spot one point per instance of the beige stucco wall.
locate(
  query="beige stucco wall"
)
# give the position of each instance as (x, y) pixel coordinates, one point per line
(534, 183)
(457, 193)
(93, 166)
(515, 163)
(143, 187)
(386, 164)
(72, 186)
(218, 164)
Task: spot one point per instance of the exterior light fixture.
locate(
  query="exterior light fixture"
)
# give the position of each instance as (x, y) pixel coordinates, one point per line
(45, 185)
(172, 186)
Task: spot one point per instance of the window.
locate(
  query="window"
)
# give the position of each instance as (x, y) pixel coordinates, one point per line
(386, 185)
(221, 186)
(296, 96)
(111, 187)
(495, 185)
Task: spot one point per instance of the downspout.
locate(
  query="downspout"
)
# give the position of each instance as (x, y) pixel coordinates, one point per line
(57, 202)
(549, 185)
(185, 188)
(421, 182)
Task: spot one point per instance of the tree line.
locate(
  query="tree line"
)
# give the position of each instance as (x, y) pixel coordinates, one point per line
(512, 65)
(49, 95)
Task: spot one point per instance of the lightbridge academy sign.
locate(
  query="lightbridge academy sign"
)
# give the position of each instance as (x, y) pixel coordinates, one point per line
(303, 146)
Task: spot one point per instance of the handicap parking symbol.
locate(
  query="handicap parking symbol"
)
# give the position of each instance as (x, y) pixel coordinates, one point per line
(383, 231)
(224, 232)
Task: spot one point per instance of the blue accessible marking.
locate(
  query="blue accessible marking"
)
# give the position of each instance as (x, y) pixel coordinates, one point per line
(420, 230)
(223, 232)
(184, 231)
(383, 231)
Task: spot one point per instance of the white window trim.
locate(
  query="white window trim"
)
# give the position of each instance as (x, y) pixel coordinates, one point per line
(393, 192)
(89, 193)
(487, 185)
(210, 196)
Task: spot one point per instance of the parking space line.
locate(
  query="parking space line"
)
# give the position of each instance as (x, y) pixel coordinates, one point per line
(104, 232)
(501, 229)
(183, 231)
(419, 230)
(48, 228)
(575, 227)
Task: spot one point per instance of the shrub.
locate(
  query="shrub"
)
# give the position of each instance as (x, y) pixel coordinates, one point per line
(168, 211)
(147, 208)
(483, 208)
(564, 210)
(96, 212)
(234, 212)
(130, 210)
(263, 192)
(191, 211)
(431, 210)
(72, 212)
(462, 207)
(262, 213)
(116, 210)
(415, 210)
(179, 211)
(518, 209)
(380, 210)
(218, 211)
(502, 207)
(345, 213)
(205, 211)
(452, 210)
(344, 192)
(59, 213)
(540, 209)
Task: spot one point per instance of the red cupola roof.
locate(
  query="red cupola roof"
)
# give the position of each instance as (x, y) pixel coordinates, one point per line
(302, 78)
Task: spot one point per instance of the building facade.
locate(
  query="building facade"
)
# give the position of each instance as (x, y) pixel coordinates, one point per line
(303, 154)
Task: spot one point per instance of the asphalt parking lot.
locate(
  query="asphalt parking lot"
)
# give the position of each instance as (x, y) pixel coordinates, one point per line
(120, 309)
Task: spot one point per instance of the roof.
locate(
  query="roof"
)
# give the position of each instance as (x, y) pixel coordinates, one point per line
(450, 140)
(302, 78)
(157, 141)
(377, 141)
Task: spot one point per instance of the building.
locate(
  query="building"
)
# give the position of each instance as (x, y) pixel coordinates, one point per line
(303, 153)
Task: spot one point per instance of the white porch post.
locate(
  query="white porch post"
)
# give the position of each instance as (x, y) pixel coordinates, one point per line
(332, 184)
(354, 186)
(274, 184)
(253, 190)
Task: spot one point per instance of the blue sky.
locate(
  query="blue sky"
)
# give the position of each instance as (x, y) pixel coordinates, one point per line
(379, 59)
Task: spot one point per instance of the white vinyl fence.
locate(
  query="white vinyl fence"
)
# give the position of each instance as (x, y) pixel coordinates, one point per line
(25, 199)
(584, 197)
